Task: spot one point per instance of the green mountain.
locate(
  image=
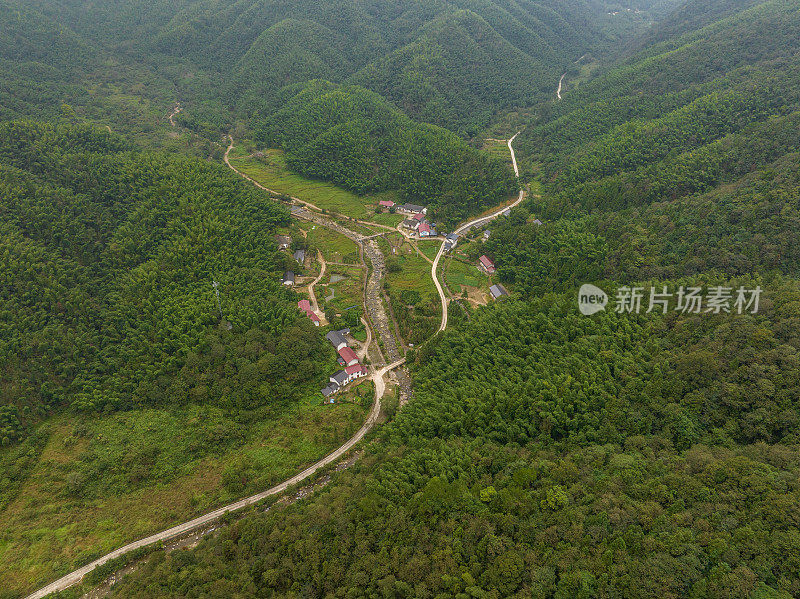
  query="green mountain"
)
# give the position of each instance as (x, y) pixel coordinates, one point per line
(459, 69)
(353, 137)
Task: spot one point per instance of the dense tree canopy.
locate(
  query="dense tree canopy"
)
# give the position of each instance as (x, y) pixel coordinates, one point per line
(109, 259)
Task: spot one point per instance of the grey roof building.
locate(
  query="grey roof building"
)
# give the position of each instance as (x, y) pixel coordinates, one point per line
(450, 241)
(337, 340)
(330, 390)
(339, 378)
(498, 291)
(283, 241)
(288, 278)
(300, 256)
(487, 234)
(411, 208)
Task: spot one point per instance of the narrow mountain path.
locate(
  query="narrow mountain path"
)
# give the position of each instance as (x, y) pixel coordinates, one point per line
(362, 353)
(312, 296)
(560, 85)
(175, 112)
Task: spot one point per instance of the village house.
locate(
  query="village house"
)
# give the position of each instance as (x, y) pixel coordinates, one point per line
(486, 265)
(283, 242)
(498, 291)
(355, 372)
(385, 205)
(537, 222)
(304, 305)
(412, 209)
(410, 223)
(336, 339)
(450, 242)
(487, 234)
(313, 317)
(288, 278)
(348, 356)
(340, 378)
(330, 390)
(300, 256)
(424, 230)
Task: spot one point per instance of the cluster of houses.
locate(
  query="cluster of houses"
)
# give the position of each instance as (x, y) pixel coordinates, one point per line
(284, 242)
(352, 368)
(417, 221)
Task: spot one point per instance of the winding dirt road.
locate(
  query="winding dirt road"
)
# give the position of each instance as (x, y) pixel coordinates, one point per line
(467, 226)
(312, 296)
(175, 112)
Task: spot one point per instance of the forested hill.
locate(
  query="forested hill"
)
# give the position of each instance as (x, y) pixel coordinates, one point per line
(683, 160)
(109, 255)
(353, 137)
(450, 63)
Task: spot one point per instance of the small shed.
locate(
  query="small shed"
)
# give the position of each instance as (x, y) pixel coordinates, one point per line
(498, 291)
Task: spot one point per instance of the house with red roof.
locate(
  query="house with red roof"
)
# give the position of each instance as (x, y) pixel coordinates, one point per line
(314, 318)
(424, 230)
(356, 371)
(486, 265)
(385, 205)
(348, 356)
(304, 305)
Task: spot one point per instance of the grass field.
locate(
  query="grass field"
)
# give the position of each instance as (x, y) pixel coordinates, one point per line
(334, 247)
(269, 168)
(457, 273)
(385, 218)
(414, 273)
(430, 248)
(498, 149)
(347, 285)
(196, 458)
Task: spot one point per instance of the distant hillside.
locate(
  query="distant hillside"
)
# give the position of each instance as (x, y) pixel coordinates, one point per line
(676, 153)
(458, 72)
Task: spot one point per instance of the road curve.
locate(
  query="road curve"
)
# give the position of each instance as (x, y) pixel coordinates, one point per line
(176, 531)
(312, 296)
(466, 226)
